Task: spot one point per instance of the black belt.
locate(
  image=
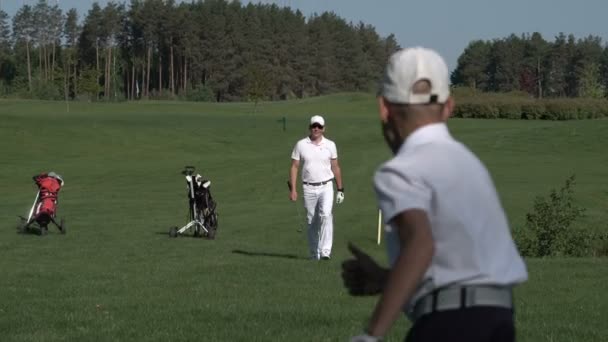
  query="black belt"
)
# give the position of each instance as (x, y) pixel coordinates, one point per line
(317, 184)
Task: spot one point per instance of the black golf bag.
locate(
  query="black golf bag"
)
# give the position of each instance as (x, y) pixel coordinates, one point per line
(202, 209)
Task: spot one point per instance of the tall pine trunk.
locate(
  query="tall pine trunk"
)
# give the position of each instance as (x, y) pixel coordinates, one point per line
(46, 63)
(147, 93)
(160, 74)
(29, 65)
(172, 82)
(53, 62)
(40, 70)
(185, 75)
(133, 81)
(75, 79)
(108, 81)
(97, 65)
(539, 78)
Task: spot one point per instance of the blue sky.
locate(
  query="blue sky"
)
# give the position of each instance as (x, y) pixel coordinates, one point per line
(444, 25)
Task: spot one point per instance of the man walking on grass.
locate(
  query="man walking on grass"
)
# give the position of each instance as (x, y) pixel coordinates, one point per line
(319, 159)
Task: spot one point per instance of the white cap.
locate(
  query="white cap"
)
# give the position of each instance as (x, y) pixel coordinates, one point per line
(408, 66)
(317, 119)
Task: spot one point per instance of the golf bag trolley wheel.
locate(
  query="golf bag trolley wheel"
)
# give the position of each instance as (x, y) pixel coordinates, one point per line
(173, 232)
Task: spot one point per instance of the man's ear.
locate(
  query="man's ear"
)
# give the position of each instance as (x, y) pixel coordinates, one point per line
(383, 108)
(447, 109)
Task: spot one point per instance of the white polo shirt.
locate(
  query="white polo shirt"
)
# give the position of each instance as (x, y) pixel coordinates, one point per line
(315, 159)
(473, 243)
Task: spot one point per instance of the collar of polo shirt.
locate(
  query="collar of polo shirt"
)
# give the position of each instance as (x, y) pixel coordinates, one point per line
(425, 134)
(321, 141)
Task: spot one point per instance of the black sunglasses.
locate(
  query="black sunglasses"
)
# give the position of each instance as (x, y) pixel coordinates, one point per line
(316, 125)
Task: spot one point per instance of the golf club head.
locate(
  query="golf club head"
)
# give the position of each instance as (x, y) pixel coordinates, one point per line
(188, 170)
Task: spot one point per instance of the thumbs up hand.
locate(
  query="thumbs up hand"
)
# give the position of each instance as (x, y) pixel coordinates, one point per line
(362, 276)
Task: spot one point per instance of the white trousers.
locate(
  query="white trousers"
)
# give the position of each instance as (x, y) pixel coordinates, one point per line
(318, 201)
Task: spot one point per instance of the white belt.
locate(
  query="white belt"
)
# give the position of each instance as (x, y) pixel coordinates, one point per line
(459, 297)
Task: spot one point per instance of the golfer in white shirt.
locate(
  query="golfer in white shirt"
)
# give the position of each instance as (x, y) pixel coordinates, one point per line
(453, 260)
(318, 157)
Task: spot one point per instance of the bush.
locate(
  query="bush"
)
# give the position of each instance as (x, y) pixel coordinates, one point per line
(548, 230)
(509, 110)
(201, 94)
(515, 105)
(476, 110)
(532, 110)
(46, 91)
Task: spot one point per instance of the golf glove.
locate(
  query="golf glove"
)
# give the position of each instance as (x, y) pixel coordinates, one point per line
(339, 197)
(365, 338)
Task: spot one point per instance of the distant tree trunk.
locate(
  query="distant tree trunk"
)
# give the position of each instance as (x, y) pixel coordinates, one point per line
(113, 74)
(53, 62)
(171, 84)
(66, 83)
(40, 70)
(538, 77)
(97, 66)
(45, 59)
(133, 81)
(143, 76)
(75, 78)
(29, 65)
(185, 75)
(147, 93)
(126, 82)
(48, 63)
(160, 74)
(108, 73)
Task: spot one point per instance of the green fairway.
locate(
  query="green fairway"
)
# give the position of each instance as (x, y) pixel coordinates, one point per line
(117, 276)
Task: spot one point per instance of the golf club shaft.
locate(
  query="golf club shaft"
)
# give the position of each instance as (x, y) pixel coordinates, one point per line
(379, 226)
(33, 206)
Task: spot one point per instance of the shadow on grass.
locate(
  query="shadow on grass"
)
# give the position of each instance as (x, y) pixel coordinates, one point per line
(183, 236)
(36, 231)
(265, 254)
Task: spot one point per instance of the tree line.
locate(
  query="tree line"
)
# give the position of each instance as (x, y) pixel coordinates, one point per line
(211, 50)
(565, 67)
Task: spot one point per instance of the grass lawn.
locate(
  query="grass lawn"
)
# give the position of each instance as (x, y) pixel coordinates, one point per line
(117, 276)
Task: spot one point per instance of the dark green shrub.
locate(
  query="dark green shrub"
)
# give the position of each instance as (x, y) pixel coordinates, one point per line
(561, 110)
(201, 94)
(548, 230)
(532, 110)
(509, 110)
(463, 110)
(483, 110)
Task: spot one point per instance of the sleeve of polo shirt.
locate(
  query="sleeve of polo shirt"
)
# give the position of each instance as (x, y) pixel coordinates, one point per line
(295, 154)
(398, 191)
(334, 151)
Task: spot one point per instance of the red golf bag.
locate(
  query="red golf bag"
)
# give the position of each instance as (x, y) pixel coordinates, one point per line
(47, 202)
(45, 205)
